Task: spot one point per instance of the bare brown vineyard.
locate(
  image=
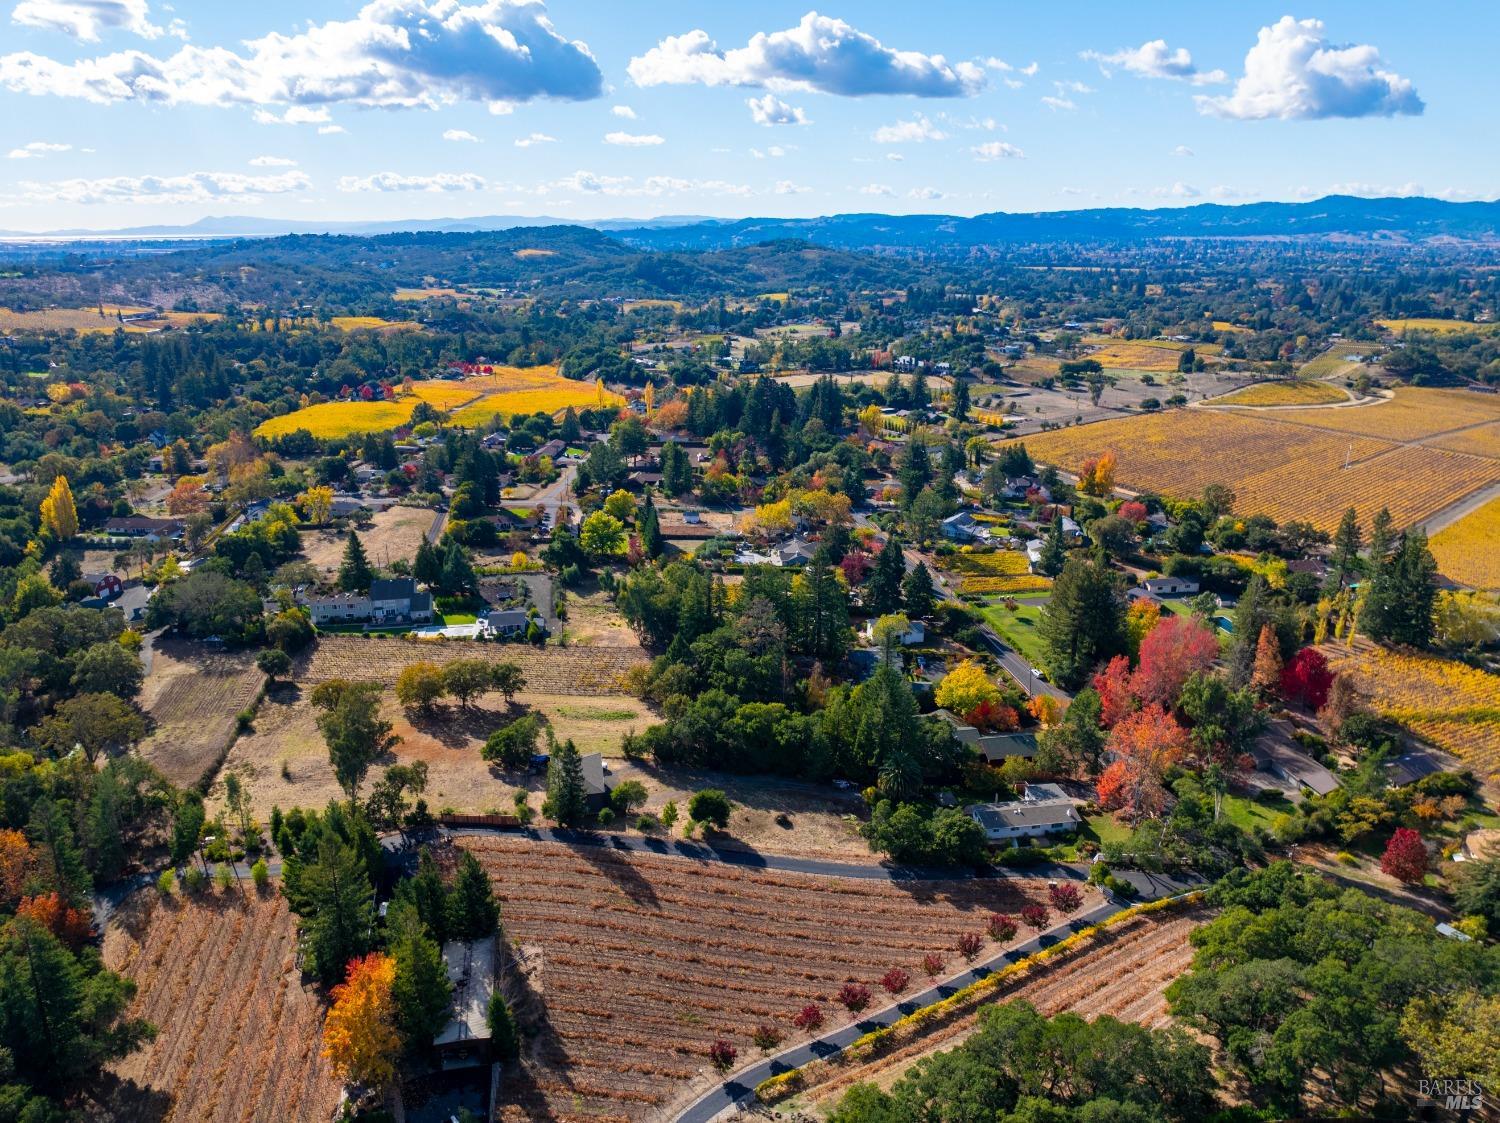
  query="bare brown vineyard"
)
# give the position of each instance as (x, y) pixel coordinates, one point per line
(627, 966)
(1123, 972)
(239, 1037)
(193, 698)
(548, 670)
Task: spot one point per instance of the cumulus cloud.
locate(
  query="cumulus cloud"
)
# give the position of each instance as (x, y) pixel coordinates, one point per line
(1178, 190)
(272, 162)
(915, 131)
(624, 111)
(787, 187)
(820, 53)
(590, 183)
(634, 140)
(535, 139)
(997, 150)
(924, 193)
(460, 135)
(195, 187)
(771, 110)
(296, 115)
(392, 54)
(1294, 73)
(1182, 150)
(330, 130)
(88, 19)
(1056, 103)
(37, 149)
(1155, 60)
(877, 189)
(394, 181)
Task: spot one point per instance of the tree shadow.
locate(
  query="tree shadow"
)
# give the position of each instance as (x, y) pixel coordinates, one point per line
(544, 1059)
(455, 727)
(125, 1101)
(607, 854)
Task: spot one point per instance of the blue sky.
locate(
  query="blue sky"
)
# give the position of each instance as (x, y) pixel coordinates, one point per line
(123, 112)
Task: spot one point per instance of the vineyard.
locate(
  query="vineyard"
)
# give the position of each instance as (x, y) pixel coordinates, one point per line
(519, 390)
(1431, 324)
(1454, 706)
(1002, 573)
(1138, 959)
(548, 670)
(1468, 551)
(329, 420)
(1284, 394)
(240, 1034)
(1155, 355)
(1287, 471)
(81, 320)
(1412, 414)
(193, 698)
(373, 323)
(630, 966)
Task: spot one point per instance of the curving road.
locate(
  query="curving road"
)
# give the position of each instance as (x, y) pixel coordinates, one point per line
(740, 1088)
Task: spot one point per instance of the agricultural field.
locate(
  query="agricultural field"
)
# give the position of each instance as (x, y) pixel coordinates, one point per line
(581, 671)
(1139, 958)
(1225, 325)
(1432, 324)
(999, 573)
(516, 390)
(1450, 704)
(1157, 356)
(1287, 471)
(1468, 551)
(240, 1034)
(328, 420)
(1265, 394)
(391, 535)
(1412, 413)
(81, 320)
(1340, 361)
(429, 293)
(626, 993)
(193, 697)
(373, 323)
(444, 395)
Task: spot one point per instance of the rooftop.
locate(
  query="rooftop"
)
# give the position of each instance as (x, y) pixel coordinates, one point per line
(471, 970)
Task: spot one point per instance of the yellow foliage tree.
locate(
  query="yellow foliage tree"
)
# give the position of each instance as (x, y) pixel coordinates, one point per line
(870, 420)
(316, 503)
(360, 1038)
(620, 505)
(1097, 476)
(774, 518)
(1046, 709)
(59, 514)
(965, 687)
(1143, 615)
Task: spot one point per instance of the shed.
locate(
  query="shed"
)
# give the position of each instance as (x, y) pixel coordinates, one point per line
(464, 1041)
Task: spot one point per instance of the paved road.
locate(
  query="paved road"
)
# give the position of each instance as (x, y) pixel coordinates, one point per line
(740, 1088)
(1018, 667)
(435, 531)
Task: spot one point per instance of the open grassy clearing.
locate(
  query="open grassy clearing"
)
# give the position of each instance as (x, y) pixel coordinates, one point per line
(1468, 551)
(81, 320)
(1284, 394)
(1123, 972)
(1434, 325)
(1276, 465)
(373, 323)
(391, 535)
(626, 967)
(240, 1034)
(430, 293)
(1017, 627)
(194, 696)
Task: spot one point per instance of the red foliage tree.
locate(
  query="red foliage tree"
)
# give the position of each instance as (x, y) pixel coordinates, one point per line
(895, 980)
(1132, 511)
(856, 567)
(1307, 679)
(766, 1037)
(1171, 653)
(1405, 856)
(854, 997)
(969, 944)
(68, 924)
(993, 716)
(1111, 785)
(1035, 916)
(1001, 927)
(721, 1055)
(810, 1017)
(933, 964)
(1065, 897)
(1145, 744)
(1116, 693)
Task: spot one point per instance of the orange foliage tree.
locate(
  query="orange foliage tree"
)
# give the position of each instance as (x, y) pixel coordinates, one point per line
(1146, 744)
(1097, 475)
(15, 865)
(68, 924)
(1266, 675)
(1115, 689)
(360, 1038)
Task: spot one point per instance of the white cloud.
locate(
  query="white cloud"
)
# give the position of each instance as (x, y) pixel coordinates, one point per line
(1224, 191)
(876, 189)
(624, 111)
(195, 187)
(915, 131)
(1178, 190)
(1182, 150)
(997, 150)
(589, 183)
(818, 54)
(37, 149)
(460, 135)
(393, 53)
(772, 151)
(535, 139)
(1072, 87)
(771, 110)
(86, 19)
(1294, 73)
(394, 181)
(787, 187)
(272, 162)
(924, 193)
(296, 115)
(634, 140)
(331, 130)
(1155, 60)
(1055, 103)
(895, 157)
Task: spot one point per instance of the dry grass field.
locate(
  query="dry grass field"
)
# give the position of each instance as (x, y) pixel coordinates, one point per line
(1284, 394)
(1468, 551)
(81, 320)
(240, 1038)
(626, 966)
(574, 671)
(429, 293)
(1431, 324)
(373, 323)
(1158, 356)
(392, 534)
(1123, 972)
(1277, 465)
(193, 696)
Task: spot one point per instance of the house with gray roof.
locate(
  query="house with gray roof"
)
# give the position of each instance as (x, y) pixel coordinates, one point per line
(1025, 819)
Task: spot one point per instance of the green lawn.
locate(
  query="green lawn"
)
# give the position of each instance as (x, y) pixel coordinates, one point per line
(447, 618)
(1018, 628)
(1102, 829)
(1248, 813)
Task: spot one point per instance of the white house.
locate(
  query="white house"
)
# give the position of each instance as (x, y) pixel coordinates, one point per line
(915, 633)
(964, 527)
(1170, 586)
(1033, 819)
(396, 599)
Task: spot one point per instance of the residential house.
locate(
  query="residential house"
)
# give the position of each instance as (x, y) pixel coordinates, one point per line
(597, 782)
(552, 449)
(339, 608)
(1280, 759)
(915, 633)
(107, 586)
(795, 554)
(962, 527)
(1002, 821)
(464, 1041)
(396, 600)
(1037, 793)
(996, 748)
(140, 526)
(1034, 548)
(506, 623)
(1170, 586)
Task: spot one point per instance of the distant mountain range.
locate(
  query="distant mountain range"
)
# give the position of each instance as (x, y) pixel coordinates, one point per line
(1400, 219)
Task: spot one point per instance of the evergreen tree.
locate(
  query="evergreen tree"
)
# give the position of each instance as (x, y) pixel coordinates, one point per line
(61, 865)
(676, 472)
(1344, 561)
(823, 611)
(472, 910)
(1403, 595)
(569, 431)
(915, 472)
(427, 566)
(503, 1036)
(1084, 622)
(960, 405)
(648, 526)
(458, 574)
(1054, 551)
(565, 792)
(1252, 614)
(354, 572)
(339, 920)
(421, 990)
(883, 590)
(917, 591)
(425, 892)
(1382, 537)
